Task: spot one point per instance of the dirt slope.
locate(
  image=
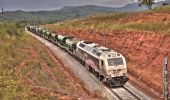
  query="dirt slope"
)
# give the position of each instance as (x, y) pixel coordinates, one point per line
(144, 52)
(143, 45)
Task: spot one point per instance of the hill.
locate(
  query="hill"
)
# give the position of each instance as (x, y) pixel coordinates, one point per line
(142, 37)
(55, 15)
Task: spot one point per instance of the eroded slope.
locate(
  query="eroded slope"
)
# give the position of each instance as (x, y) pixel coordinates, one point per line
(141, 37)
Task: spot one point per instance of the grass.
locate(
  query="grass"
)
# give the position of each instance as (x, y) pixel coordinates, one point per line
(145, 26)
(104, 17)
(162, 8)
(148, 26)
(21, 56)
(8, 42)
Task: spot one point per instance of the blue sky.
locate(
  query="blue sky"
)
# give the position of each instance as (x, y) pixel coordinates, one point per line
(57, 4)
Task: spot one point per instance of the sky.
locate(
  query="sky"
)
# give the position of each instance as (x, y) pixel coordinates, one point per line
(29, 5)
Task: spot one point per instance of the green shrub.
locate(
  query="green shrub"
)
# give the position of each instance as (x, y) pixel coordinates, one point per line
(162, 8)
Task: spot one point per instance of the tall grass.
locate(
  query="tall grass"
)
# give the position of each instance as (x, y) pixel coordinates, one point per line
(162, 8)
(21, 57)
(104, 17)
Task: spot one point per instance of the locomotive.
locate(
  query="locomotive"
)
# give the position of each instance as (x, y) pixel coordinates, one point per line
(106, 64)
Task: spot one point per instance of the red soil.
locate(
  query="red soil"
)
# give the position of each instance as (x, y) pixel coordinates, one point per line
(160, 16)
(150, 16)
(144, 52)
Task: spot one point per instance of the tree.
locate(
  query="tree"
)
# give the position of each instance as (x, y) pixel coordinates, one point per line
(147, 3)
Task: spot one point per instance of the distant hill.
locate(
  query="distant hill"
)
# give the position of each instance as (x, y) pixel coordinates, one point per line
(77, 11)
(67, 12)
(130, 8)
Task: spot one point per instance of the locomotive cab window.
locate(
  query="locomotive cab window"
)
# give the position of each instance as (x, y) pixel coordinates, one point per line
(115, 61)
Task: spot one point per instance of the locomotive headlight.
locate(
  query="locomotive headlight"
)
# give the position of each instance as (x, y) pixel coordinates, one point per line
(119, 70)
(118, 54)
(116, 72)
(124, 74)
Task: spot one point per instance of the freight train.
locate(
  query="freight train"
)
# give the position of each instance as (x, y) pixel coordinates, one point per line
(106, 64)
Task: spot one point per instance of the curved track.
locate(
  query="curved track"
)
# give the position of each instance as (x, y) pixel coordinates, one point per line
(123, 93)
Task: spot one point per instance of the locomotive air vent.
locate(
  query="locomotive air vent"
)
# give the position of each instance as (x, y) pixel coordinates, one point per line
(87, 42)
(114, 55)
(109, 55)
(81, 45)
(106, 49)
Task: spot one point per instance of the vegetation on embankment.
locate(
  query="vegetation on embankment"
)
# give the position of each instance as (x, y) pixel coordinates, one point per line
(167, 7)
(29, 71)
(144, 51)
(157, 20)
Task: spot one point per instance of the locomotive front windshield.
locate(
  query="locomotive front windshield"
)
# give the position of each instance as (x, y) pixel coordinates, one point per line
(115, 61)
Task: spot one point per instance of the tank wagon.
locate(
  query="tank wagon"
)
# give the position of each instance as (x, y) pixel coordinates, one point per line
(31, 28)
(62, 40)
(38, 31)
(106, 64)
(71, 45)
(54, 37)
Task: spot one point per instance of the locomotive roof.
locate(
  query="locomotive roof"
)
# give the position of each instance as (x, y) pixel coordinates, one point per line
(95, 49)
(98, 47)
(71, 41)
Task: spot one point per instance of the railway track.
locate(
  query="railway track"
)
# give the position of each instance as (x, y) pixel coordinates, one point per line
(123, 93)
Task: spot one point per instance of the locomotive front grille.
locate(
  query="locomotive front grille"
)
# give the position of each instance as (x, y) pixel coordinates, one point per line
(116, 72)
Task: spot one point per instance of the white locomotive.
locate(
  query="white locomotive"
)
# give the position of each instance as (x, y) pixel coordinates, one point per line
(108, 65)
